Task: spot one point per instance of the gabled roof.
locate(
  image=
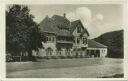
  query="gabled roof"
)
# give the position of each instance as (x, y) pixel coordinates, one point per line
(57, 23)
(74, 25)
(51, 25)
(94, 44)
(47, 25)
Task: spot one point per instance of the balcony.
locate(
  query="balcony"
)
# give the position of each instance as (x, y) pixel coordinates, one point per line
(80, 45)
(64, 41)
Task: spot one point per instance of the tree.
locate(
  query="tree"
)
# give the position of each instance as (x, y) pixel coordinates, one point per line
(114, 41)
(22, 32)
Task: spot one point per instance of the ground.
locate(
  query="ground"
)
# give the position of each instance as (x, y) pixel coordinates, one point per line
(66, 68)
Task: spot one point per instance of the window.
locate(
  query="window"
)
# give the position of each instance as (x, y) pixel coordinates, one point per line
(78, 40)
(84, 41)
(47, 38)
(78, 30)
(103, 51)
(53, 39)
(50, 38)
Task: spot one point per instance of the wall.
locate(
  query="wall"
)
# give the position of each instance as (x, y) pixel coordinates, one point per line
(103, 51)
(77, 35)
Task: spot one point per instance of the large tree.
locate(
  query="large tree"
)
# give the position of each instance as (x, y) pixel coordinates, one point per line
(22, 32)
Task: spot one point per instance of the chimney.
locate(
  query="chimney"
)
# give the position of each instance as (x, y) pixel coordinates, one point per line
(64, 15)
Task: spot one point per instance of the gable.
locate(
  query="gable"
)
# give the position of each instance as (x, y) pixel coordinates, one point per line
(76, 26)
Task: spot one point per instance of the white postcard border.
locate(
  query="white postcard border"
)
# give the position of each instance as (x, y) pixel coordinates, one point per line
(33, 2)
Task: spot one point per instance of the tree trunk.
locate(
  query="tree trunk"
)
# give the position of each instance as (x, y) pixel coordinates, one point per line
(20, 56)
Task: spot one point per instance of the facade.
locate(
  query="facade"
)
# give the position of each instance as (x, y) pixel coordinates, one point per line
(65, 38)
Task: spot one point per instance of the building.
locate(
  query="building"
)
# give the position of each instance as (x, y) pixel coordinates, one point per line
(68, 39)
(96, 49)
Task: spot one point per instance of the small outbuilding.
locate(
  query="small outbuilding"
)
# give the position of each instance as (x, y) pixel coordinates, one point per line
(96, 49)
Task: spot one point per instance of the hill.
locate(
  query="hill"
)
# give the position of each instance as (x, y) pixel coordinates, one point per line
(114, 41)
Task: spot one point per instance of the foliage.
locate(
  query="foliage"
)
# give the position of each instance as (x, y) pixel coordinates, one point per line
(114, 41)
(22, 33)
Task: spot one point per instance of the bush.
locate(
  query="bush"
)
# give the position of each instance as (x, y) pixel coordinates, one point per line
(54, 57)
(9, 58)
(70, 57)
(62, 57)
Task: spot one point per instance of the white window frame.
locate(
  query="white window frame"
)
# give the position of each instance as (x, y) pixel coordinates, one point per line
(84, 40)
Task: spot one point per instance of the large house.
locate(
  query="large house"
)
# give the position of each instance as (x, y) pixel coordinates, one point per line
(65, 38)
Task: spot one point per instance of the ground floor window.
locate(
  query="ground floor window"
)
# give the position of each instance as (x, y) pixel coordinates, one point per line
(49, 51)
(84, 40)
(95, 53)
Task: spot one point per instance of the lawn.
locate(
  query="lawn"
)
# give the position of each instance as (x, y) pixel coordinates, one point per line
(66, 68)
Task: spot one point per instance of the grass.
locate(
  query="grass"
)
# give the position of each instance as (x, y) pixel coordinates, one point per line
(80, 67)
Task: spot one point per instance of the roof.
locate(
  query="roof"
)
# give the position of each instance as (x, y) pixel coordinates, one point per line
(73, 25)
(51, 25)
(94, 44)
(61, 21)
(56, 23)
(47, 25)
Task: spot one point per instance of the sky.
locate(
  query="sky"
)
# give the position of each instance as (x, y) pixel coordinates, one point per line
(96, 18)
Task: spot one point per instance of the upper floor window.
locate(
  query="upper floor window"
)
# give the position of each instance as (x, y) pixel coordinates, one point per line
(84, 41)
(50, 38)
(78, 29)
(53, 39)
(78, 40)
(46, 38)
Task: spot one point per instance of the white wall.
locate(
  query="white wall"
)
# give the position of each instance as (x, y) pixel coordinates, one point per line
(103, 51)
(77, 35)
(42, 51)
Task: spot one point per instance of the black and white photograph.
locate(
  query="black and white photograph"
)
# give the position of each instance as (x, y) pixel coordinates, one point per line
(64, 41)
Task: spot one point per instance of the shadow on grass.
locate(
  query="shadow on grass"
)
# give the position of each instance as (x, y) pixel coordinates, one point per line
(114, 76)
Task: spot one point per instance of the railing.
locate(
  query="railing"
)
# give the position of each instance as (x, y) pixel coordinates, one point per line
(64, 41)
(67, 53)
